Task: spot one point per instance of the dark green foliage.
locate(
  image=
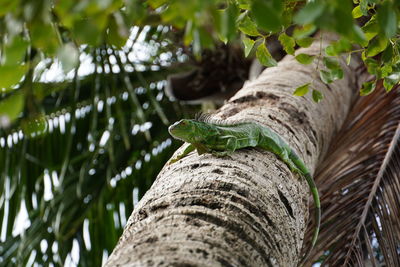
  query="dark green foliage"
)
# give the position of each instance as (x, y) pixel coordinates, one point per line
(58, 29)
(267, 14)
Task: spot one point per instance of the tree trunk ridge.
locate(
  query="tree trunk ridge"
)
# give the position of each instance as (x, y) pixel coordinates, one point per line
(247, 209)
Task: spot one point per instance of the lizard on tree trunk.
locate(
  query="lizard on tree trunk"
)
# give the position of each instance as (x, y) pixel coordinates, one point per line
(221, 139)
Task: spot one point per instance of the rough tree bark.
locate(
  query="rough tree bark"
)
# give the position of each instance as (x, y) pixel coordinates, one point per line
(247, 209)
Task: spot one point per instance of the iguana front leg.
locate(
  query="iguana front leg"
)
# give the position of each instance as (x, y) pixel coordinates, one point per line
(185, 152)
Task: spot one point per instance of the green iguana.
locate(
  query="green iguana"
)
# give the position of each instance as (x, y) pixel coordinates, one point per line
(221, 139)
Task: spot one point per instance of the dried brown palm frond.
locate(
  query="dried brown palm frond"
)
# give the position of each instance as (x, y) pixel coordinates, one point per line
(359, 183)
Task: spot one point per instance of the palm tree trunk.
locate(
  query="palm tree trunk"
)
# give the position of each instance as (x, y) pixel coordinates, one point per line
(247, 209)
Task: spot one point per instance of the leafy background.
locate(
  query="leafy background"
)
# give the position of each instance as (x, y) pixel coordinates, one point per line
(83, 110)
(77, 167)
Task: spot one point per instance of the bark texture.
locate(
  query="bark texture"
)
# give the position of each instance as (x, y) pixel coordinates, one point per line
(247, 209)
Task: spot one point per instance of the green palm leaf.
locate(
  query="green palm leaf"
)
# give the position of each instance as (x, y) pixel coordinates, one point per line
(103, 142)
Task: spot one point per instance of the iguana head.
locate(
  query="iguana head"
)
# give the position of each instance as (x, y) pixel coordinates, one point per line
(192, 131)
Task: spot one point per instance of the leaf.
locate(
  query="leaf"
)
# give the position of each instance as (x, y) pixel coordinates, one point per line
(302, 90)
(304, 58)
(325, 76)
(201, 40)
(188, 35)
(373, 66)
(11, 107)
(364, 7)
(330, 75)
(117, 34)
(247, 26)
(387, 55)
(387, 19)
(331, 63)
(367, 88)
(11, 75)
(357, 35)
(14, 52)
(7, 6)
(304, 31)
(243, 4)
(87, 31)
(317, 96)
(338, 47)
(376, 46)
(157, 3)
(330, 50)
(227, 23)
(310, 12)
(371, 28)
(136, 11)
(357, 13)
(287, 16)
(267, 14)
(390, 81)
(287, 42)
(44, 37)
(342, 20)
(336, 74)
(248, 45)
(386, 70)
(35, 126)
(396, 67)
(68, 54)
(348, 59)
(264, 56)
(305, 42)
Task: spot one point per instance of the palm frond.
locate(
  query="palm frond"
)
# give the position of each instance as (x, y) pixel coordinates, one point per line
(359, 182)
(105, 141)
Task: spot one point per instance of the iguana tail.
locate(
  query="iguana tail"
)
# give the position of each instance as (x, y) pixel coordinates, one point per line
(314, 191)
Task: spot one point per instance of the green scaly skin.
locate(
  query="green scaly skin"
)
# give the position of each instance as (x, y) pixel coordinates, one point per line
(222, 140)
